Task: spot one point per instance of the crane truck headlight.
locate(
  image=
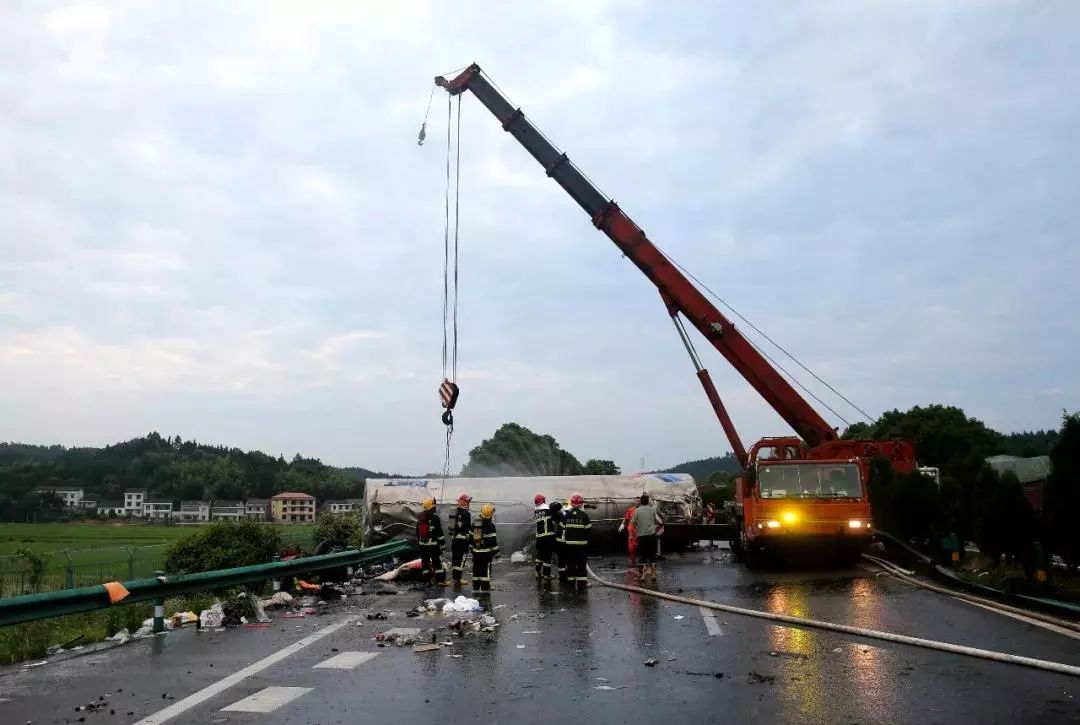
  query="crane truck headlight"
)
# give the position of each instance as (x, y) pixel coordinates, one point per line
(772, 524)
(789, 517)
(858, 524)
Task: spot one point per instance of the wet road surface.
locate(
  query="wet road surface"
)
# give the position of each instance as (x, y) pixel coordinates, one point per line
(558, 655)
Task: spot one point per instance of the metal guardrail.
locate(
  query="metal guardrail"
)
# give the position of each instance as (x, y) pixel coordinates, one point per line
(943, 575)
(31, 607)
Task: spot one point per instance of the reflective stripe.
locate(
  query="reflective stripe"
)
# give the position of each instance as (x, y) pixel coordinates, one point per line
(576, 526)
(541, 536)
(576, 543)
(484, 551)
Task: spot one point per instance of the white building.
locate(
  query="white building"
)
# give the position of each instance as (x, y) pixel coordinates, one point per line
(70, 495)
(257, 509)
(194, 511)
(110, 508)
(343, 506)
(158, 508)
(227, 510)
(133, 501)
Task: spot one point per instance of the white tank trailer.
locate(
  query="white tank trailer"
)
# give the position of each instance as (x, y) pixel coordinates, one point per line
(391, 505)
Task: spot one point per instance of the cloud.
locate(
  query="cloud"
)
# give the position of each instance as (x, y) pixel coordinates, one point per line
(217, 221)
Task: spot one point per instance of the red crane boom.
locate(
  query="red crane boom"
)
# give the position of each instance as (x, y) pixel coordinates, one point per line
(677, 292)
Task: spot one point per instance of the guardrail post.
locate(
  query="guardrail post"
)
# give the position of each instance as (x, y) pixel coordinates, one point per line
(131, 562)
(159, 609)
(69, 571)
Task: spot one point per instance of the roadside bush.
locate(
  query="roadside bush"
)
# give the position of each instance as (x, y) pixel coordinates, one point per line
(222, 545)
(345, 527)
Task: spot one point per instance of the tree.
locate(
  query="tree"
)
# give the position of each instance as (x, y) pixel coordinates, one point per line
(1063, 492)
(223, 544)
(598, 467)
(516, 451)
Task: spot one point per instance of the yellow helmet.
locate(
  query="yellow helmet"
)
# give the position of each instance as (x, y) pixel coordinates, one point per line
(429, 503)
(487, 511)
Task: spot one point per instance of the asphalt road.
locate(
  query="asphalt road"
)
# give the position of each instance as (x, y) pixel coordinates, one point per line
(580, 657)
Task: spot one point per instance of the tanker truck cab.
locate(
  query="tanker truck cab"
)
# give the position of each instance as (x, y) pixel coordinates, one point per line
(787, 503)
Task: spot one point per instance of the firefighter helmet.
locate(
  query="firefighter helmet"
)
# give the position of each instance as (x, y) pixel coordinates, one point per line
(487, 511)
(429, 503)
(577, 501)
(539, 499)
(464, 499)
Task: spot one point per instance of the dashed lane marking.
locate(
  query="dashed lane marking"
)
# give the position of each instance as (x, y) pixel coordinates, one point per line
(268, 700)
(346, 661)
(181, 706)
(711, 625)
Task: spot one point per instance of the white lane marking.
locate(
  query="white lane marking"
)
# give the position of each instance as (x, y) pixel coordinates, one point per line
(1026, 620)
(346, 661)
(268, 700)
(711, 625)
(181, 706)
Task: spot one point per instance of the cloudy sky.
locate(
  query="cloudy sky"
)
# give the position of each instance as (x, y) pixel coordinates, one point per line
(215, 219)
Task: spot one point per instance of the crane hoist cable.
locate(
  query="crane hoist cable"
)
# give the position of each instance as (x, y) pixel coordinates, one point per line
(448, 389)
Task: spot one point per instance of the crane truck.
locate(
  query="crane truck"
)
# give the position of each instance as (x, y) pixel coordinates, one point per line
(794, 491)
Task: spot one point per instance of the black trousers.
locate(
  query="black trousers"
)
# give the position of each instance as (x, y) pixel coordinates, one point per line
(560, 551)
(545, 549)
(576, 556)
(431, 566)
(458, 549)
(481, 571)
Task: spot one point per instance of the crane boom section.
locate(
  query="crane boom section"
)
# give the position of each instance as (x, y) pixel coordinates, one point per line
(631, 240)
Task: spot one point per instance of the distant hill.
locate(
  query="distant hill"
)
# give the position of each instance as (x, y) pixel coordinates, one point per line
(167, 467)
(705, 467)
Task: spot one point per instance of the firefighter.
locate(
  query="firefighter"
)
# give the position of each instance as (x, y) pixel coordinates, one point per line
(460, 534)
(556, 511)
(545, 537)
(575, 537)
(485, 547)
(429, 535)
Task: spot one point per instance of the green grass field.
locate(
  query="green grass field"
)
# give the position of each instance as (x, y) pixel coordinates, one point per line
(54, 538)
(99, 551)
(48, 538)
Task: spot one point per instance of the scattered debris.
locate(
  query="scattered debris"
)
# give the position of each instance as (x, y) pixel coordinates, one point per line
(717, 675)
(456, 657)
(426, 648)
(462, 604)
(756, 678)
(679, 616)
(601, 679)
(123, 636)
(213, 617)
(518, 557)
(521, 646)
(497, 607)
(531, 631)
(608, 688)
(837, 650)
(376, 615)
(651, 662)
(403, 572)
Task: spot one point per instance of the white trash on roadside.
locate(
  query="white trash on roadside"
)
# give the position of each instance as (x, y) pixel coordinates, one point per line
(462, 604)
(145, 630)
(213, 617)
(518, 557)
(121, 637)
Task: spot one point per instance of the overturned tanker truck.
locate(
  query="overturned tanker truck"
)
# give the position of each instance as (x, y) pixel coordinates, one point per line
(391, 505)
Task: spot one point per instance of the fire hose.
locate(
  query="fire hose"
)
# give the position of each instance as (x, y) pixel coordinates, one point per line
(787, 619)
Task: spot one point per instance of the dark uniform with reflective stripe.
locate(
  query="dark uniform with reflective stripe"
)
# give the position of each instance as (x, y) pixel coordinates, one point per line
(484, 548)
(575, 538)
(429, 536)
(460, 534)
(545, 540)
(555, 509)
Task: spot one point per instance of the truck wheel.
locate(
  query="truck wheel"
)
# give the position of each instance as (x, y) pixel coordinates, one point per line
(752, 555)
